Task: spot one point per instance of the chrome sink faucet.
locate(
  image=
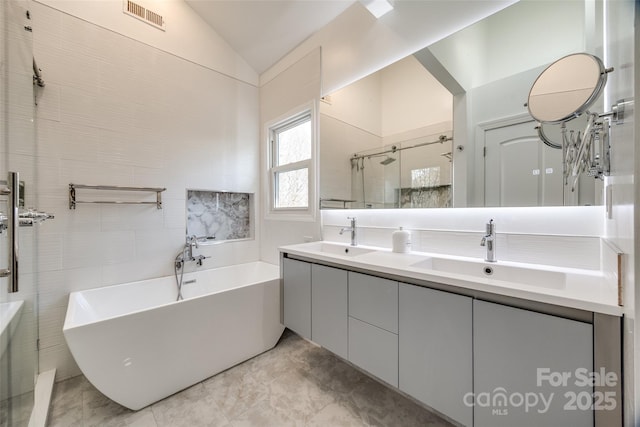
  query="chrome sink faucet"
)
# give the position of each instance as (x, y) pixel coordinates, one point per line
(489, 240)
(352, 229)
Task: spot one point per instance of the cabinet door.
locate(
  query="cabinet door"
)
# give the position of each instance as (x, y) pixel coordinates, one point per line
(528, 368)
(329, 308)
(435, 349)
(374, 300)
(374, 349)
(297, 296)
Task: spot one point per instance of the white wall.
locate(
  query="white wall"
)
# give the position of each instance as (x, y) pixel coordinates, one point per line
(623, 221)
(116, 111)
(295, 89)
(186, 34)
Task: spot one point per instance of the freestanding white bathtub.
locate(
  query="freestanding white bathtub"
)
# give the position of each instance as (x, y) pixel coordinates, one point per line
(137, 345)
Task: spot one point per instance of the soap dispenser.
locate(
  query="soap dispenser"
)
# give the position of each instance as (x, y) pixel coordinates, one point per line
(401, 240)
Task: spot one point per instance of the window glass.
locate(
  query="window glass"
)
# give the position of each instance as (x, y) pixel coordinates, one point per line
(425, 177)
(293, 143)
(292, 189)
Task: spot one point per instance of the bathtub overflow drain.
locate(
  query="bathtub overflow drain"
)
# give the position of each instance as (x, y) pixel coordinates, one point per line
(488, 271)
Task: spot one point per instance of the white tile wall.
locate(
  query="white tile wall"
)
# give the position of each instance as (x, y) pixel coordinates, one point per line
(562, 236)
(118, 112)
(18, 141)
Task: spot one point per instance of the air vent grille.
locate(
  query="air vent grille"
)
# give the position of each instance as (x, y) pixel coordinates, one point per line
(142, 13)
(136, 9)
(154, 18)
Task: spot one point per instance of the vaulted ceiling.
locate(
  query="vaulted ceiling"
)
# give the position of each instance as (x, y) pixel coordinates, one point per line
(263, 31)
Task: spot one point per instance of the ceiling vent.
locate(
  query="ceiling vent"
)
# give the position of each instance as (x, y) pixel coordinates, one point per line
(142, 13)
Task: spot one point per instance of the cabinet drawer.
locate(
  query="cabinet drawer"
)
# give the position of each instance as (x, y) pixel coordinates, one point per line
(374, 350)
(374, 300)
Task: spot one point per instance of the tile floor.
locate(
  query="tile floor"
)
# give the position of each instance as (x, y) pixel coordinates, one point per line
(20, 410)
(294, 384)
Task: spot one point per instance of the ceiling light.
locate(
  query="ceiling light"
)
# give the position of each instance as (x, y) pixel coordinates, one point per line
(377, 7)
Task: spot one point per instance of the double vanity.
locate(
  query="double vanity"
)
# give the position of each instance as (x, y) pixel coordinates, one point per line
(482, 343)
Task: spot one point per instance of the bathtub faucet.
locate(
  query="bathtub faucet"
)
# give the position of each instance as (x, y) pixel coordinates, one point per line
(190, 243)
(187, 253)
(200, 258)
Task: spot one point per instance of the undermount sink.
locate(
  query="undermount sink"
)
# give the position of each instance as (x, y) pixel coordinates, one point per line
(344, 250)
(496, 271)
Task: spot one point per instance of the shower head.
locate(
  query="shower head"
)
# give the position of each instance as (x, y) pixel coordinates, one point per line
(387, 161)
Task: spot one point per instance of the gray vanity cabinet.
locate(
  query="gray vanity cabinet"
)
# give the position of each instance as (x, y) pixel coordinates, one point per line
(297, 296)
(329, 309)
(480, 363)
(373, 325)
(435, 349)
(522, 356)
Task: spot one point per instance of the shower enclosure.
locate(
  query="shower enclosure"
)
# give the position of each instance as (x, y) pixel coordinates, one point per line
(408, 174)
(18, 248)
(374, 180)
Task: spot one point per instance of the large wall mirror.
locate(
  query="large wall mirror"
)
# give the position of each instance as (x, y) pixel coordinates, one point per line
(449, 127)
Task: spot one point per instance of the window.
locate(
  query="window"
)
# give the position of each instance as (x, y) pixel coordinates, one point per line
(290, 163)
(425, 177)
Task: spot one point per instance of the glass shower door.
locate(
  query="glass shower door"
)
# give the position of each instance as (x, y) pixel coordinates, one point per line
(18, 296)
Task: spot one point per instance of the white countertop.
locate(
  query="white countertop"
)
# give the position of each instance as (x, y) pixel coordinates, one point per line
(586, 290)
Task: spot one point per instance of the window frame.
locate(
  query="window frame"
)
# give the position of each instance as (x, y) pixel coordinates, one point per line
(288, 121)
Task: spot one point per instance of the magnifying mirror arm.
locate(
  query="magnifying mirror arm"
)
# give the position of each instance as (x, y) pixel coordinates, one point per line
(617, 111)
(545, 139)
(584, 148)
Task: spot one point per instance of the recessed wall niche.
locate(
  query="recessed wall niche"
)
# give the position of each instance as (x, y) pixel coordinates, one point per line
(215, 216)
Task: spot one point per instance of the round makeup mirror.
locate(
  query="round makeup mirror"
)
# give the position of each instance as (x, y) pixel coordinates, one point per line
(567, 88)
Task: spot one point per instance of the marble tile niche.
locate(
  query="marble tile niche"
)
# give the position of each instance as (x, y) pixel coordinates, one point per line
(217, 216)
(426, 197)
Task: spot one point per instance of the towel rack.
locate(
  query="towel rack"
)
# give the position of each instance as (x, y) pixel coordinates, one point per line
(74, 187)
